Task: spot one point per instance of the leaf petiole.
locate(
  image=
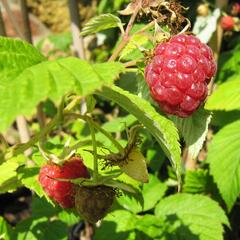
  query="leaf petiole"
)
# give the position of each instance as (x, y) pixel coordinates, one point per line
(95, 157)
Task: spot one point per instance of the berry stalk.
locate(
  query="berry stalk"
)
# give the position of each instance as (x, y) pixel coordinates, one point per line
(125, 38)
(95, 158)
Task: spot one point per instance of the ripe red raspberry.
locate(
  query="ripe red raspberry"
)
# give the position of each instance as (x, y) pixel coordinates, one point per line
(179, 73)
(62, 192)
(227, 23)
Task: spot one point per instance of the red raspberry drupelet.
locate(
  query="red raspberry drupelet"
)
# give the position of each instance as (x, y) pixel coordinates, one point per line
(62, 192)
(179, 73)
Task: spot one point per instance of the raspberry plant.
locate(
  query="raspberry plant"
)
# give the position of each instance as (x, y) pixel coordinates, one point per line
(166, 166)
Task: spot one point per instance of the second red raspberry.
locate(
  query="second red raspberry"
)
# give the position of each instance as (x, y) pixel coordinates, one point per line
(178, 74)
(60, 191)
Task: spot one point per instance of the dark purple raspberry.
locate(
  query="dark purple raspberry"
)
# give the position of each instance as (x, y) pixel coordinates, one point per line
(178, 74)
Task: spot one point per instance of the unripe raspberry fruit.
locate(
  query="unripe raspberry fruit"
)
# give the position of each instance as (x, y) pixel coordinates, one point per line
(94, 202)
(227, 23)
(178, 74)
(62, 192)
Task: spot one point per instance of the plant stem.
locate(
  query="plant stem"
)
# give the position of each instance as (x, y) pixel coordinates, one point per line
(26, 21)
(125, 38)
(187, 27)
(78, 43)
(23, 130)
(132, 63)
(95, 158)
(121, 29)
(13, 19)
(40, 115)
(72, 104)
(2, 26)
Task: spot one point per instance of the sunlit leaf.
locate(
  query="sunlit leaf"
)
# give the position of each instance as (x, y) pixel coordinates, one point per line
(100, 23)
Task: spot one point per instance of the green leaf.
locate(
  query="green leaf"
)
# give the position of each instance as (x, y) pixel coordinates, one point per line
(29, 178)
(100, 23)
(119, 124)
(10, 185)
(151, 192)
(224, 159)
(5, 230)
(126, 220)
(68, 217)
(16, 55)
(91, 103)
(143, 90)
(28, 229)
(137, 41)
(222, 118)
(229, 64)
(226, 97)
(160, 127)
(8, 170)
(117, 224)
(151, 226)
(41, 229)
(108, 72)
(194, 130)
(128, 180)
(41, 208)
(201, 215)
(197, 181)
(155, 156)
(52, 79)
(55, 230)
(8, 173)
